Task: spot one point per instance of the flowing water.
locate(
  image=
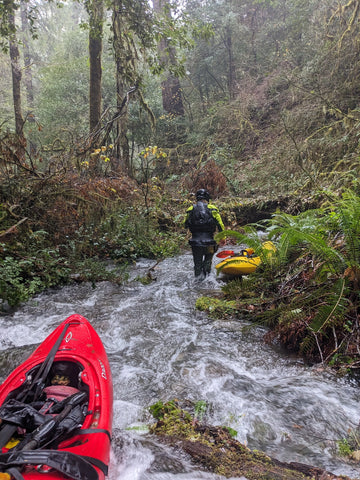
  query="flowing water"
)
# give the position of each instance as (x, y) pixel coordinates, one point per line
(160, 347)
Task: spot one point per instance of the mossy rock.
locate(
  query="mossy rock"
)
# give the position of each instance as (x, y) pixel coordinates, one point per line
(215, 307)
(217, 451)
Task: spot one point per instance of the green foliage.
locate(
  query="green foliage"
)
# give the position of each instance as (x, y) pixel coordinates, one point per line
(333, 310)
(248, 236)
(7, 29)
(350, 443)
(231, 431)
(130, 234)
(239, 288)
(80, 229)
(64, 121)
(29, 268)
(159, 410)
(308, 291)
(200, 409)
(216, 307)
(306, 230)
(345, 218)
(21, 278)
(331, 238)
(344, 448)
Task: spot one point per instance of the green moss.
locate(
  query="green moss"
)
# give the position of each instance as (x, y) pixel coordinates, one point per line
(344, 448)
(214, 447)
(215, 307)
(145, 279)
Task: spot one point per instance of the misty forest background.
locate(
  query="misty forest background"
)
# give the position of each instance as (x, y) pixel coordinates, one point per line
(113, 113)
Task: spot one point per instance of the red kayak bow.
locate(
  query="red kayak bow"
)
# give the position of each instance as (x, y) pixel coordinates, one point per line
(82, 452)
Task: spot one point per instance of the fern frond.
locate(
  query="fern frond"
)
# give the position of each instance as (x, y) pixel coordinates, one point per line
(306, 231)
(308, 345)
(347, 214)
(249, 237)
(334, 309)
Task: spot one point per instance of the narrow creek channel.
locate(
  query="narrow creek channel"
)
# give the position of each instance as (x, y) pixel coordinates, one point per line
(160, 347)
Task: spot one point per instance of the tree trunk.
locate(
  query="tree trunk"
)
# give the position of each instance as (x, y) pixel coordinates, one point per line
(171, 89)
(96, 12)
(27, 57)
(28, 71)
(121, 143)
(172, 96)
(231, 68)
(16, 78)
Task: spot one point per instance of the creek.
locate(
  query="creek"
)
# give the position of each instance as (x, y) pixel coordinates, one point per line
(161, 348)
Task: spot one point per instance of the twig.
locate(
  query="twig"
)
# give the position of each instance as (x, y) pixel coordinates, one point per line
(13, 228)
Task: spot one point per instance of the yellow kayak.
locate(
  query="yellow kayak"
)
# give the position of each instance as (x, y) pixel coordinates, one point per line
(242, 264)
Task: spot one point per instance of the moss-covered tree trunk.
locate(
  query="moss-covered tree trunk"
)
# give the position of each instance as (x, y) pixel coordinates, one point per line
(171, 89)
(16, 77)
(95, 9)
(122, 148)
(28, 68)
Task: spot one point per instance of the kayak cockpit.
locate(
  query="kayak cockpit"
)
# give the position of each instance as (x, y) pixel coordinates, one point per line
(33, 387)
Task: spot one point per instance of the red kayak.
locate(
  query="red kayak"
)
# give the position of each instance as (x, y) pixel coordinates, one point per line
(56, 409)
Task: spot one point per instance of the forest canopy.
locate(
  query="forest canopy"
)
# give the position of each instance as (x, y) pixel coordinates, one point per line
(114, 111)
(236, 82)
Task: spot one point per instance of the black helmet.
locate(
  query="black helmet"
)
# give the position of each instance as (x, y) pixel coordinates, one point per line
(62, 368)
(65, 369)
(202, 194)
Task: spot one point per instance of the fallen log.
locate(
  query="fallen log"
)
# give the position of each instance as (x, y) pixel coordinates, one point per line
(217, 451)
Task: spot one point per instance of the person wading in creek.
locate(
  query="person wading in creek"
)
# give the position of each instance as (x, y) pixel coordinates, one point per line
(202, 219)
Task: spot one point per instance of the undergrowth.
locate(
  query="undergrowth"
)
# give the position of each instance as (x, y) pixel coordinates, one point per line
(31, 265)
(308, 291)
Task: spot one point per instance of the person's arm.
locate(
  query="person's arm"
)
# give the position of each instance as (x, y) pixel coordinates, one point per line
(217, 217)
(187, 216)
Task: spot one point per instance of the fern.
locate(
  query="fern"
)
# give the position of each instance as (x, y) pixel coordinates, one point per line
(345, 218)
(250, 236)
(308, 345)
(306, 232)
(335, 308)
(317, 276)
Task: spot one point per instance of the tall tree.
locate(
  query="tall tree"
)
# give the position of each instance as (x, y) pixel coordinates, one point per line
(132, 37)
(25, 27)
(7, 27)
(95, 9)
(123, 67)
(27, 55)
(16, 75)
(171, 89)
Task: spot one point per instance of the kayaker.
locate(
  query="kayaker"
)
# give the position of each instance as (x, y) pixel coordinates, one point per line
(202, 219)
